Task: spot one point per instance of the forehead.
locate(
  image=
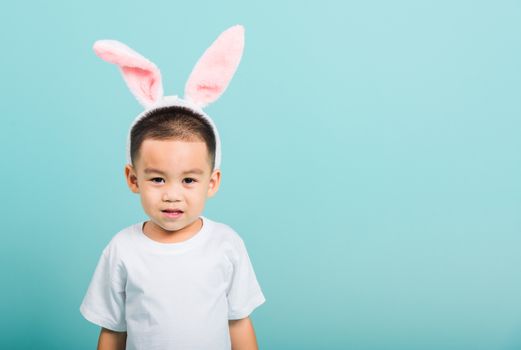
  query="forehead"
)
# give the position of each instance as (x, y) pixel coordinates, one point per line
(173, 156)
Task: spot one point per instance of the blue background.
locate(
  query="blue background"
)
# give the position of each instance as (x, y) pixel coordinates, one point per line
(371, 163)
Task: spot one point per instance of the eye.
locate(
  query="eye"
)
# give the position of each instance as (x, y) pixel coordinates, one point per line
(156, 178)
(190, 180)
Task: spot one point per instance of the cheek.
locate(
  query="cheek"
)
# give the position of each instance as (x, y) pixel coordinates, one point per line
(197, 195)
(150, 194)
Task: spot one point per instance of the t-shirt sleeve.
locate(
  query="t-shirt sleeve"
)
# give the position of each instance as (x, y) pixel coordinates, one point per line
(244, 293)
(104, 302)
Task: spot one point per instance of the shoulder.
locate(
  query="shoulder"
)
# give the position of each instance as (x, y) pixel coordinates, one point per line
(120, 241)
(228, 240)
(224, 232)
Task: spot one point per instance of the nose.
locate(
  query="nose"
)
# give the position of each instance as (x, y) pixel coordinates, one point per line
(172, 193)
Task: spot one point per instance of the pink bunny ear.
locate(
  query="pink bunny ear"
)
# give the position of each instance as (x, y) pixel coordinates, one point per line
(216, 67)
(143, 78)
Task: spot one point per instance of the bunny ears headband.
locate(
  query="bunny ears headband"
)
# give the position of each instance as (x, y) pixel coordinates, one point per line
(208, 80)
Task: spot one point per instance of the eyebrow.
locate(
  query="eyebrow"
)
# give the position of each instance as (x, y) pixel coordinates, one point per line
(192, 171)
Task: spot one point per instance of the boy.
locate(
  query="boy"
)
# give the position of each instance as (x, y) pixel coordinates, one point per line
(178, 280)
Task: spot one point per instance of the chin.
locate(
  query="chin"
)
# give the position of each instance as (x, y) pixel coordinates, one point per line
(165, 225)
(175, 225)
(172, 227)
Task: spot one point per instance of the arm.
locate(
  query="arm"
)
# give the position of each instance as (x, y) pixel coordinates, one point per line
(111, 340)
(242, 334)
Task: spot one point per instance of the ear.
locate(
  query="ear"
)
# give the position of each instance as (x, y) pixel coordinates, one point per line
(215, 181)
(216, 67)
(131, 178)
(143, 78)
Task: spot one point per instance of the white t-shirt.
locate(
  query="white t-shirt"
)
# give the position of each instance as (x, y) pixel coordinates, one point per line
(173, 295)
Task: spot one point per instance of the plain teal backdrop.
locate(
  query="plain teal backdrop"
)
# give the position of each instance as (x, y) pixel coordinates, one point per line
(371, 162)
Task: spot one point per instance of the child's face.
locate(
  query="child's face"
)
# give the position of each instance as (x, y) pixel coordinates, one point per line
(173, 174)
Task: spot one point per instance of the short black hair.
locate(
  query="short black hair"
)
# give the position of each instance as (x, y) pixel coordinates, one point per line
(172, 123)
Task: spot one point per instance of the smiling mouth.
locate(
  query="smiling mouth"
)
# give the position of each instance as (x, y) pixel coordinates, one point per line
(170, 213)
